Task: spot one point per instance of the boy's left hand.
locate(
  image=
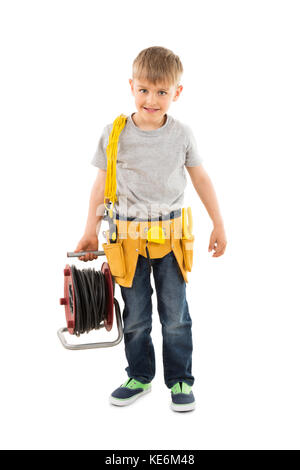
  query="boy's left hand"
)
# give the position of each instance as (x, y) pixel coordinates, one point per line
(217, 241)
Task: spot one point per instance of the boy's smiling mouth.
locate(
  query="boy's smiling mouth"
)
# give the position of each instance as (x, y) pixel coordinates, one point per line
(151, 110)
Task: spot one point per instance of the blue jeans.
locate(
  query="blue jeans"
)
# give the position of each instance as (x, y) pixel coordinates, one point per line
(174, 317)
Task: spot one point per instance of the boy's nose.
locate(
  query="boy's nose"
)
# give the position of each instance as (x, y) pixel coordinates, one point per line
(150, 101)
(151, 104)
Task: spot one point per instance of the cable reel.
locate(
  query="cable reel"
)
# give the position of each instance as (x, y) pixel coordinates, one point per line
(89, 303)
(89, 295)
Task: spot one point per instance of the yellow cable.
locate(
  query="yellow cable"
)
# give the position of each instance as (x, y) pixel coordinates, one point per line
(111, 151)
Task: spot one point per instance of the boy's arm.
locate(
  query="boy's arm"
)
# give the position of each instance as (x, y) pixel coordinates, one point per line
(96, 206)
(204, 187)
(89, 241)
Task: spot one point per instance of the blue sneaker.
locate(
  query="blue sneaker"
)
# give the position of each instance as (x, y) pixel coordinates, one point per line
(129, 392)
(182, 397)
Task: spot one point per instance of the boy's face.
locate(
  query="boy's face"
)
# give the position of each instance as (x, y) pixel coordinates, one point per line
(153, 101)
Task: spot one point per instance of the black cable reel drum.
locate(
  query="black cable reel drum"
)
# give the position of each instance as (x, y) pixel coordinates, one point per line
(89, 303)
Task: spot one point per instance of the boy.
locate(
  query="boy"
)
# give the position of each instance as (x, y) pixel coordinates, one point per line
(153, 149)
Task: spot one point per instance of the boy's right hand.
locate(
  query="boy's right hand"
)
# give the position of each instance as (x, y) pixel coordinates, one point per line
(88, 243)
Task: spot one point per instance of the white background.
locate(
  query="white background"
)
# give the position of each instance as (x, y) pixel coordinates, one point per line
(65, 67)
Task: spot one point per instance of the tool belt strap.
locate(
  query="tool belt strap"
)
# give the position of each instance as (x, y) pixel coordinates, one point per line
(171, 215)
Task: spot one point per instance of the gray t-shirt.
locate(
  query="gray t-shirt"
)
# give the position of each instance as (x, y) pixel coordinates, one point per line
(150, 167)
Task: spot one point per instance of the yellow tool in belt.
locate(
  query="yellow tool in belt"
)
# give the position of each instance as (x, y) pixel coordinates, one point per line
(187, 227)
(156, 235)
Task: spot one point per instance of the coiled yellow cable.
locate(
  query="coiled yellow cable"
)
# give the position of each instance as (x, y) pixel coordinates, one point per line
(111, 151)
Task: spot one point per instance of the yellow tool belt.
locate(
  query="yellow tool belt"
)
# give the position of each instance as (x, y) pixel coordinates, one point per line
(132, 240)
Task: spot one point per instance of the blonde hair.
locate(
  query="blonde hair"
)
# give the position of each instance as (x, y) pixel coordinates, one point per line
(157, 65)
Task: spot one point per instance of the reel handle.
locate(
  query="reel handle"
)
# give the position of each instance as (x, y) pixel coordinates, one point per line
(72, 254)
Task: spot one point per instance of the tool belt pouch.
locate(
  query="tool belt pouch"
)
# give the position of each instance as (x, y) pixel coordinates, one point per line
(188, 251)
(115, 258)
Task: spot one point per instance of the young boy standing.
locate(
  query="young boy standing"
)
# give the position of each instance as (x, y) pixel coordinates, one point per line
(153, 150)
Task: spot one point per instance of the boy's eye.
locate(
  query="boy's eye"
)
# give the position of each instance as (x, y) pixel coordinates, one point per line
(164, 92)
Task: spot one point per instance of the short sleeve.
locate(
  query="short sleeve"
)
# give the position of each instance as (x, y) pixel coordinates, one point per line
(100, 159)
(192, 157)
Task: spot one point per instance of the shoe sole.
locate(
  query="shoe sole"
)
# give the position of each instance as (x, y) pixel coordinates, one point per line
(127, 401)
(184, 407)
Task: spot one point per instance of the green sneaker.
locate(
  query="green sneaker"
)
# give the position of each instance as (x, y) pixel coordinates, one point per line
(129, 392)
(182, 397)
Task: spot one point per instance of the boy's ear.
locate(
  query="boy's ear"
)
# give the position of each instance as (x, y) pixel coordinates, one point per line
(131, 85)
(177, 92)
